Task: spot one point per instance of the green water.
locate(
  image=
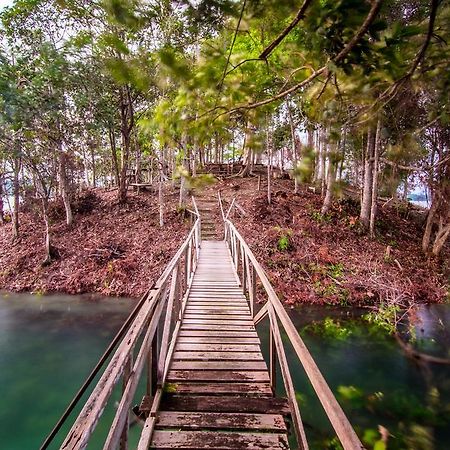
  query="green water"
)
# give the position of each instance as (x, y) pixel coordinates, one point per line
(374, 381)
(48, 345)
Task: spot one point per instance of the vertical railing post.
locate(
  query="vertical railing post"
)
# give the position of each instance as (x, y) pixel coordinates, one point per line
(272, 361)
(244, 270)
(125, 378)
(186, 273)
(154, 359)
(251, 285)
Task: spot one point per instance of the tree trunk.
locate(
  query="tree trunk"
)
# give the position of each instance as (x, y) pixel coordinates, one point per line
(115, 162)
(441, 237)
(269, 166)
(138, 173)
(331, 178)
(248, 153)
(64, 184)
(2, 216)
(161, 191)
(294, 148)
(366, 201)
(94, 172)
(376, 162)
(126, 127)
(47, 246)
(426, 239)
(15, 216)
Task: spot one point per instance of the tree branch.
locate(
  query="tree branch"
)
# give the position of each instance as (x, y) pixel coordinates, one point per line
(434, 6)
(299, 16)
(232, 45)
(344, 52)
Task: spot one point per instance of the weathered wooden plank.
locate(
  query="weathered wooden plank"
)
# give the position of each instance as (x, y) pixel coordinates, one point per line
(227, 317)
(211, 309)
(236, 303)
(216, 375)
(221, 421)
(218, 365)
(226, 403)
(261, 389)
(217, 333)
(217, 347)
(213, 356)
(217, 340)
(217, 327)
(217, 322)
(218, 298)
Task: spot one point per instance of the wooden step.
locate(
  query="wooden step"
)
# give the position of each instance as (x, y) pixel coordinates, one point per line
(249, 389)
(226, 403)
(164, 439)
(221, 421)
(216, 376)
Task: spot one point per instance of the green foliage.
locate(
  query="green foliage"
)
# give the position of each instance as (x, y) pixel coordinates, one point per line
(320, 218)
(332, 329)
(384, 317)
(284, 241)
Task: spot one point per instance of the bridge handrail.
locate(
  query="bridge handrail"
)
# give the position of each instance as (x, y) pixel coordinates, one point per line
(249, 268)
(171, 290)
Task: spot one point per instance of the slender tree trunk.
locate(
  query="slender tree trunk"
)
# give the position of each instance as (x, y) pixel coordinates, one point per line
(294, 148)
(94, 171)
(269, 166)
(115, 162)
(426, 239)
(138, 174)
(248, 153)
(161, 190)
(376, 162)
(64, 184)
(441, 238)
(2, 191)
(126, 127)
(185, 168)
(16, 188)
(331, 178)
(47, 246)
(366, 202)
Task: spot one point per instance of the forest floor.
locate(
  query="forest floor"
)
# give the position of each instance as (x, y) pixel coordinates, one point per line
(110, 249)
(311, 258)
(121, 250)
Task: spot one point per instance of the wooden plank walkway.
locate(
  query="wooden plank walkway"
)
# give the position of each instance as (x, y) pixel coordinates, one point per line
(218, 392)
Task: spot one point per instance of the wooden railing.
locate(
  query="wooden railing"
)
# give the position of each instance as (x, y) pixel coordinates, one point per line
(250, 271)
(151, 337)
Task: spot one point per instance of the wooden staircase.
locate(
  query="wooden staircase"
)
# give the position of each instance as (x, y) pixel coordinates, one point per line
(218, 392)
(210, 214)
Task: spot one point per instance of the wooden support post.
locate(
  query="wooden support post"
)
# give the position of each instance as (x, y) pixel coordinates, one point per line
(186, 274)
(166, 327)
(126, 376)
(154, 365)
(302, 443)
(272, 361)
(244, 270)
(189, 263)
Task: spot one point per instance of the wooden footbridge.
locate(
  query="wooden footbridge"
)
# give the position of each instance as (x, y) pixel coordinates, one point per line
(189, 359)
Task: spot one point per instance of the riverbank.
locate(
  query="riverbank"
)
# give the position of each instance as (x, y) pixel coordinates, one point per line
(111, 249)
(121, 250)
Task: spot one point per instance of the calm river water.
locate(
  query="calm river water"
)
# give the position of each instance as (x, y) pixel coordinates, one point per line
(49, 344)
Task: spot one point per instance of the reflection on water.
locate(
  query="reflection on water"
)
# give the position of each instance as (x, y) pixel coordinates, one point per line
(48, 345)
(379, 387)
